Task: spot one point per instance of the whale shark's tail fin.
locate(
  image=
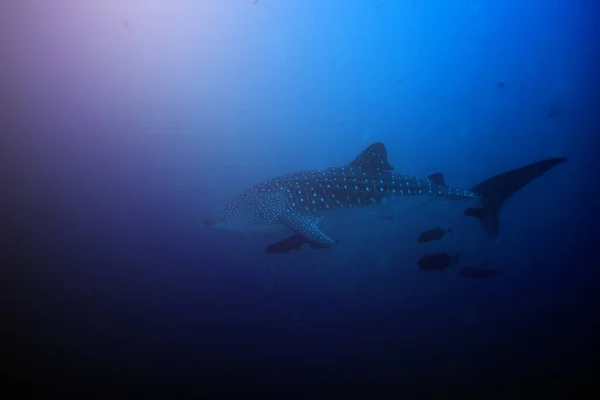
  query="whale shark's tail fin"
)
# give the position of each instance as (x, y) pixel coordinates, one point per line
(496, 190)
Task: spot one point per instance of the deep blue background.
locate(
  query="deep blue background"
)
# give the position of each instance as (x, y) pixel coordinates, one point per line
(124, 124)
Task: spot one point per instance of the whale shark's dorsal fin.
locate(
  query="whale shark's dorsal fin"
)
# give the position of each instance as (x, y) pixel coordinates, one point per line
(373, 158)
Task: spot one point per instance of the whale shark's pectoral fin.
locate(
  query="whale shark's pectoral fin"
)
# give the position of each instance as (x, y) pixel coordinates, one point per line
(306, 226)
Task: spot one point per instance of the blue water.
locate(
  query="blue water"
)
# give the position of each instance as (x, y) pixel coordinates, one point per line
(129, 122)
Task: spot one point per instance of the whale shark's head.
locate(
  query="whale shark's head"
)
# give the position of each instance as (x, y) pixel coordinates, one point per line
(248, 213)
(244, 224)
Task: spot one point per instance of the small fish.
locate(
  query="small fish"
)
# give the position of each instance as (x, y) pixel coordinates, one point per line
(294, 242)
(126, 24)
(437, 261)
(400, 81)
(481, 270)
(433, 234)
(501, 85)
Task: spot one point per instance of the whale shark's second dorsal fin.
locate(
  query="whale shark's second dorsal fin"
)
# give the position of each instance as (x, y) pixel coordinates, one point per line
(373, 158)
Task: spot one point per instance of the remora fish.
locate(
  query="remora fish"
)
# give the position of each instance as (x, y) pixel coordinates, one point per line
(299, 200)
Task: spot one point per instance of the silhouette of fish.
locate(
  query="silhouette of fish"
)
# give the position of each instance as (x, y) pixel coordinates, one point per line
(294, 242)
(553, 110)
(298, 201)
(433, 234)
(437, 261)
(501, 85)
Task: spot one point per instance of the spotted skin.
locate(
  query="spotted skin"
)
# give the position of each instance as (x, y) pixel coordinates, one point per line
(299, 200)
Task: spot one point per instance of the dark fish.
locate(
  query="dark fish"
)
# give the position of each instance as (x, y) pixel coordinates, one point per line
(294, 242)
(501, 85)
(400, 81)
(480, 271)
(437, 261)
(433, 234)
(553, 110)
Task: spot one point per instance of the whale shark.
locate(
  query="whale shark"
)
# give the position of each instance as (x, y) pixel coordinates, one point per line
(298, 201)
